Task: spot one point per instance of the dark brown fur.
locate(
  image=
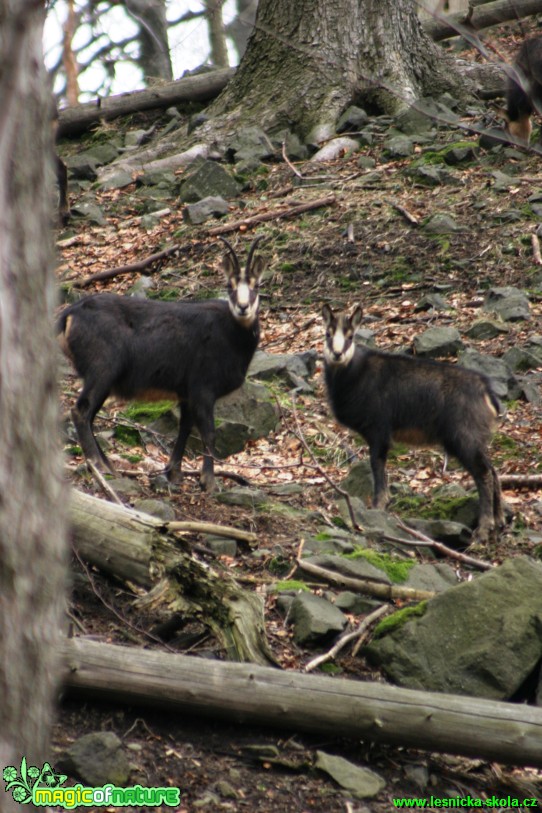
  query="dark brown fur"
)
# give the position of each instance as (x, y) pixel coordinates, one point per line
(386, 396)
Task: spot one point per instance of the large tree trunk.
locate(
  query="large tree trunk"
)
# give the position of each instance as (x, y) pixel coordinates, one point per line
(307, 61)
(32, 493)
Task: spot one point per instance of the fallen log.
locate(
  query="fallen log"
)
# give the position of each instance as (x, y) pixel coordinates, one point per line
(139, 549)
(483, 16)
(202, 87)
(486, 729)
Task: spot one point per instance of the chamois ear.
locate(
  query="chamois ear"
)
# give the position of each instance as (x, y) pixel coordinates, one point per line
(257, 268)
(327, 314)
(355, 319)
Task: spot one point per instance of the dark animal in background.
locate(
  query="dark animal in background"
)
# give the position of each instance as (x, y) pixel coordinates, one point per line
(389, 397)
(61, 172)
(524, 90)
(141, 349)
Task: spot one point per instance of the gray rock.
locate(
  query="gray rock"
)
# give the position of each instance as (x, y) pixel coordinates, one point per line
(372, 520)
(98, 759)
(427, 175)
(459, 155)
(438, 342)
(400, 146)
(89, 211)
(360, 782)
(520, 359)
(204, 209)
(358, 568)
(205, 179)
(320, 133)
(83, 167)
(511, 304)
(335, 148)
(437, 577)
(250, 143)
(432, 302)
(503, 381)
(245, 497)
(359, 481)
(481, 638)
(502, 181)
(415, 119)
(134, 138)
(441, 223)
(355, 603)
(453, 534)
(156, 508)
(354, 118)
(288, 367)
(221, 545)
(117, 180)
(486, 329)
(314, 618)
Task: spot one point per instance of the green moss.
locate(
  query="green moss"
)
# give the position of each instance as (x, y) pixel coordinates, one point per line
(437, 508)
(133, 458)
(165, 295)
(74, 451)
(396, 569)
(151, 411)
(128, 435)
(398, 619)
(330, 669)
(291, 584)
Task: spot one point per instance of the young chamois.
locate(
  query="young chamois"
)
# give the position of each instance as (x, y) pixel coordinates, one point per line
(387, 397)
(524, 90)
(141, 349)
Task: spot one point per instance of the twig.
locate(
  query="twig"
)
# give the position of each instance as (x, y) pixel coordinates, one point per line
(347, 637)
(103, 482)
(299, 435)
(525, 480)
(131, 268)
(409, 217)
(426, 541)
(372, 587)
(294, 170)
(293, 211)
(212, 528)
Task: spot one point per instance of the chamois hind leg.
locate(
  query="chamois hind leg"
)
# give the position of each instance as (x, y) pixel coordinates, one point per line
(205, 422)
(478, 464)
(90, 400)
(498, 509)
(378, 451)
(185, 427)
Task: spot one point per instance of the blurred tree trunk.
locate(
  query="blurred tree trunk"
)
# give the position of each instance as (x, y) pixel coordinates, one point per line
(307, 60)
(154, 59)
(32, 492)
(217, 35)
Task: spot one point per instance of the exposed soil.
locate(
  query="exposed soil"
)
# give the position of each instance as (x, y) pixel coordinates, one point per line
(361, 249)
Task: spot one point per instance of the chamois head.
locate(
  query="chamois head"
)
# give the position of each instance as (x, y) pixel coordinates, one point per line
(243, 284)
(340, 329)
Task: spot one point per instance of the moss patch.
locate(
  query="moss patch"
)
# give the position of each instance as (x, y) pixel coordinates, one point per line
(138, 411)
(396, 569)
(398, 619)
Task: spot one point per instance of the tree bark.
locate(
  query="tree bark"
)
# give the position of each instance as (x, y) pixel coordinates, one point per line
(137, 548)
(256, 695)
(32, 493)
(199, 88)
(307, 61)
(217, 35)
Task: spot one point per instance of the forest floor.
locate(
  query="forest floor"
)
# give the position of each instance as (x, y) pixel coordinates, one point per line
(368, 247)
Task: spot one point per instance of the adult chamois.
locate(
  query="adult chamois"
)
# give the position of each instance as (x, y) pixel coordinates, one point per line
(387, 397)
(195, 352)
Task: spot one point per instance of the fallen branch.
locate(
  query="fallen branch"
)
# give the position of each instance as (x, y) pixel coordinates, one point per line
(535, 242)
(524, 480)
(293, 211)
(213, 528)
(131, 268)
(358, 633)
(422, 540)
(500, 11)
(389, 592)
(410, 218)
(510, 733)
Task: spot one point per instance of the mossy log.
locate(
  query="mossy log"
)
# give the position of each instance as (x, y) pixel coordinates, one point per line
(139, 549)
(485, 729)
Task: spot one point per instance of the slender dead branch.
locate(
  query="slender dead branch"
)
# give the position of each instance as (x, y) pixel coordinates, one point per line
(373, 588)
(292, 211)
(421, 539)
(131, 268)
(212, 528)
(358, 633)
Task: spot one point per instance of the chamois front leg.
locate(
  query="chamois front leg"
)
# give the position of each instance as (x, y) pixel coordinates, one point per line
(185, 427)
(378, 451)
(205, 422)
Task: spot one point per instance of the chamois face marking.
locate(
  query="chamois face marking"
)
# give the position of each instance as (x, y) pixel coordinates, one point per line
(339, 344)
(243, 285)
